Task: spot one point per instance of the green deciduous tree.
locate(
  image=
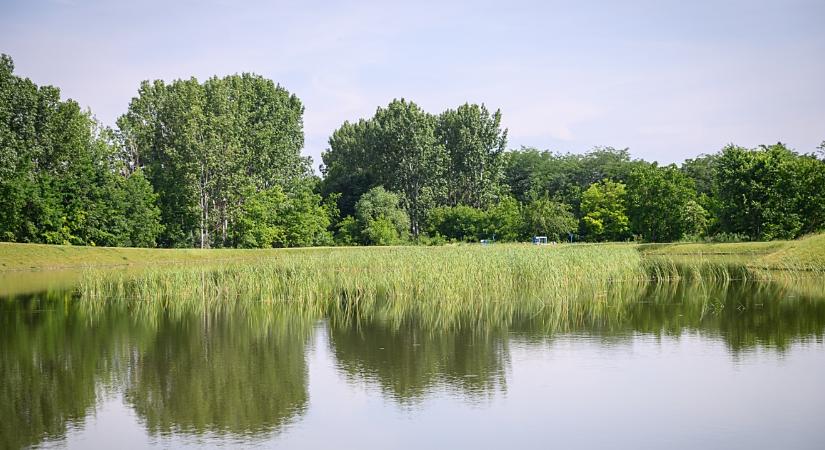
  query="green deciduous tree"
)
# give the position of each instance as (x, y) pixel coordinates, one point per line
(462, 223)
(695, 219)
(205, 145)
(62, 176)
(348, 166)
(544, 217)
(410, 159)
(475, 143)
(380, 218)
(398, 149)
(348, 232)
(769, 192)
(605, 211)
(505, 220)
(532, 174)
(658, 199)
(274, 218)
(411, 152)
(218, 163)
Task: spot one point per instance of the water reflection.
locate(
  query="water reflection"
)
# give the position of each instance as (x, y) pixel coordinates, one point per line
(214, 373)
(240, 369)
(230, 371)
(742, 314)
(408, 362)
(53, 365)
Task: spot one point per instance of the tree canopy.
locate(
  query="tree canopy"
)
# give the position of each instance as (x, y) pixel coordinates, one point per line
(62, 178)
(218, 164)
(455, 158)
(204, 145)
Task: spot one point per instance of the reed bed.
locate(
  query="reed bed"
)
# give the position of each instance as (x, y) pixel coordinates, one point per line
(434, 283)
(443, 287)
(400, 274)
(715, 269)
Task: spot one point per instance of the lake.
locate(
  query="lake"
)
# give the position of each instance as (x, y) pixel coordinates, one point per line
(738, 364)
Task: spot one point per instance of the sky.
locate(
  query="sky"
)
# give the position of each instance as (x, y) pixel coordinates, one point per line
(668, 79)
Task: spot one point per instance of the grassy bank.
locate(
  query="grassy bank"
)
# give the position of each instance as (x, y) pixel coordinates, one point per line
(806, 254)
(454, 285)
(15, 257)
(711, 249)
(803, 254)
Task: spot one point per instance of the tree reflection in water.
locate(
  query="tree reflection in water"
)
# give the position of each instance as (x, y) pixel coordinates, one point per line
(239, 369)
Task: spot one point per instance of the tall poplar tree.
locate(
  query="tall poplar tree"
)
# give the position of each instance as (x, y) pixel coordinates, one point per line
(475, 144)
(204, 145)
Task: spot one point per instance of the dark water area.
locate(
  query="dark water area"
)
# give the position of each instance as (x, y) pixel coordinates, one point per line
(734, 365)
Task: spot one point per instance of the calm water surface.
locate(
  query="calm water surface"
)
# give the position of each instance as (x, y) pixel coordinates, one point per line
(739, 365)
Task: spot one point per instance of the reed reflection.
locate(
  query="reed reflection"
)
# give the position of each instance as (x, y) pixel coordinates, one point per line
(191, 362)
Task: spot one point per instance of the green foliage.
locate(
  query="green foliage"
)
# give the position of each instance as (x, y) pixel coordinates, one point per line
(694, 219)
(727, 238)
(505, 220)
(532, 174)
(204, 146)
(658, 199)
(702, 170)
(409, 159)
(348, 232)
(462, 223)
(380, 217)
(410, 151)
(475, 147)
(398, 149)
(769, 192)
(273, 218)
(502, 221)
(381, 231)
(544, 217)
(62, 178)
(347, 167)
(809, 174)
(605, 212)
(141, 214)
(260, 224)
(218, 163)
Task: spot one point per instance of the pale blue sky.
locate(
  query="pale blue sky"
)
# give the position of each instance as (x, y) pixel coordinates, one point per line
(669, 79)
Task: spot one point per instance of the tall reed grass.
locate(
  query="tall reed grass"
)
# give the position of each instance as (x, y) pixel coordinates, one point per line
(452, 286)
(441, 281)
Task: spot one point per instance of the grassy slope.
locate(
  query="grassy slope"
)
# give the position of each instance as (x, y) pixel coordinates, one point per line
(804, 254)
(807, 253)
(39, 257)
(692, 249)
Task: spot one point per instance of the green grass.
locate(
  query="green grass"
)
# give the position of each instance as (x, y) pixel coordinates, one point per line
(47, 257)
(444, 287)
(451, 286)
(464, 269)
(711, 249)
(807, 253)
(450, 274)
(802, 255)
(560, 288)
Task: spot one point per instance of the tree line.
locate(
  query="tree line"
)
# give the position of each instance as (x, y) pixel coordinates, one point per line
(218, 164)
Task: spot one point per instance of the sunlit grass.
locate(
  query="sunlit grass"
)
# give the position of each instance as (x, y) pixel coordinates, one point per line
(450, 286)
